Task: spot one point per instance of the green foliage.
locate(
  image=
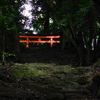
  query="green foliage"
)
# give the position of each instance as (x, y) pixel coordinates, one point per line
(26, 31)
(23, 43)
(76, 20)
(62, 13)
(11, 24)
(10, 16)
(7, 54)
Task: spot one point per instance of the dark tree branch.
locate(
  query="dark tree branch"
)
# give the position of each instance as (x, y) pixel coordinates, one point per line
(97, 2)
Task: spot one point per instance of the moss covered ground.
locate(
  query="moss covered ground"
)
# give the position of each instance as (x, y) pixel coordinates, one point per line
(45, 74)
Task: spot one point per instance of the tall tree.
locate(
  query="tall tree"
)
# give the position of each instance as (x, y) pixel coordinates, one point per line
(10, 25)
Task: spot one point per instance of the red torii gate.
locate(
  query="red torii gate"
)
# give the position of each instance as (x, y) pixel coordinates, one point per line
(50, 37)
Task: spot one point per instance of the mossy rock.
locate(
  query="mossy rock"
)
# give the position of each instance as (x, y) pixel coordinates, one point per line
(6, 78)
(74, 96)
(61, 69)
(82, 80)
(55, 96)
(80, 70)
(27, 71)
(75, 72)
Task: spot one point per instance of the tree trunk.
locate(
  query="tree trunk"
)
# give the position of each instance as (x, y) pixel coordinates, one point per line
(80, 48)
(88, 62)
(17, 45)
(3, 55)
(98, 49)
(46, 24)
(1, 48)
(91, 22)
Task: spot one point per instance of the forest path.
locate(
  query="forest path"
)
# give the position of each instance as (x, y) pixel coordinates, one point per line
(43, 75)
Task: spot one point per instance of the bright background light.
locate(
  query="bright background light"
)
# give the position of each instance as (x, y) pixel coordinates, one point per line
(26, 12)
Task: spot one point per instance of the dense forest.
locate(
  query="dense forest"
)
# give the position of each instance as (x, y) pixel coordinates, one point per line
(77, 22)
(69, 70)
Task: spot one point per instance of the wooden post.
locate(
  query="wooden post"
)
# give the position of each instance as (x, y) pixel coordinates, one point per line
(51, 42)
(39, 39)
(27, 43)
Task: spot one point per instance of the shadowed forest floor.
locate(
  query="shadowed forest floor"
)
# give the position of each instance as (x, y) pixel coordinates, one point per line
(45, 74)
(49, 55)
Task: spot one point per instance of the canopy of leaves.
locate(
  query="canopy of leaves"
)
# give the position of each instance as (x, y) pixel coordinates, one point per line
(76, 20)
(10, 15)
